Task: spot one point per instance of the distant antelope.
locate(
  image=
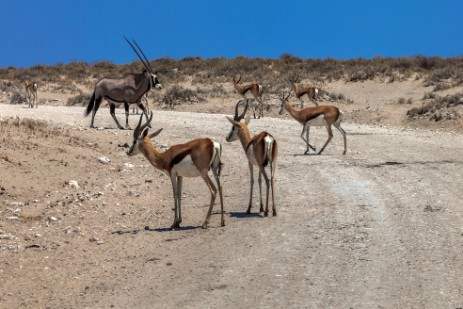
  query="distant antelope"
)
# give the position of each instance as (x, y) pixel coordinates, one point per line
(192, 159)
(261, 151)
(309, 93)
(323, 115)
(127, 90)
(251, 91)
(31, 89)
(145, 103)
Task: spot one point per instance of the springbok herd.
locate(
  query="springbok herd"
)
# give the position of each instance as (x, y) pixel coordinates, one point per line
(197, 157)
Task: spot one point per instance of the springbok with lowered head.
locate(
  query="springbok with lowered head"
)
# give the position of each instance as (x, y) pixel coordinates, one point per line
(192, 159)
(251, 91)
(31, 90)
(127, 90)
(322, 115)
(306, 93)
(261, 151)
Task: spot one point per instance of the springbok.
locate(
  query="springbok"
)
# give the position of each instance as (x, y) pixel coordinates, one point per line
(31, 89)
(323, 115)
(309, 93)
(192, 159)
(251, 91)
(261, 151)
(127, 90)
(144, 98)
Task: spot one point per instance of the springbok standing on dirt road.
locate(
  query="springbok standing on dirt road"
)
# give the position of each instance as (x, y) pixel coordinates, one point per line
(127, 90)
(323, 115)
(310, 93)
(192, 159)
(251, 91)
(261, 151)
(31, 89)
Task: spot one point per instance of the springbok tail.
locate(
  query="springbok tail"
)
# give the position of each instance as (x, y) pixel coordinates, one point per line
(261, 90)
(272, 153)
(216, 157)
(341, 116)
(90, 105)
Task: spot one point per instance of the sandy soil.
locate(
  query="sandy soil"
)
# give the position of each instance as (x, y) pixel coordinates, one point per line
(381, 227)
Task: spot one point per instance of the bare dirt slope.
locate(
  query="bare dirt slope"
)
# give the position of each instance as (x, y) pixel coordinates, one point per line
(381, 227)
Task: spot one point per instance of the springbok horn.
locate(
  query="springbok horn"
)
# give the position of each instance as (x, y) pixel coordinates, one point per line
(283, 97)
(140, 127)
(147, 61)
(236, 117)
(146, 65)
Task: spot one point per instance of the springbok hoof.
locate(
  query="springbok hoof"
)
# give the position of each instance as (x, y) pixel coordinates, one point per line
(174, 226)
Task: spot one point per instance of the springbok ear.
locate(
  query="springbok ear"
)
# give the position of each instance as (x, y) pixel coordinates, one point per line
(155, 133)
(233, 122)
(247, 119)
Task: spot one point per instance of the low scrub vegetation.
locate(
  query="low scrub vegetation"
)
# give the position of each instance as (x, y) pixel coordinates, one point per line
(265, 71)
(31, 126)
(438, 108)
(179, 95)
(201, 78)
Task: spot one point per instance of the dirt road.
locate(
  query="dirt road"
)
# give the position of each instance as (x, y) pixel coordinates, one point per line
(381, 227)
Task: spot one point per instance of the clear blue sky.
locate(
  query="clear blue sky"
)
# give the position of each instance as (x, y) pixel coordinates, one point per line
(50, 31)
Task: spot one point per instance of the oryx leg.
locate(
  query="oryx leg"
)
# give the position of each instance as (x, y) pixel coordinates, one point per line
(126, 108)
(305, 131)
(95, 108)
(251, 172)
(338, 126)
(144, 110)
(330, 136)
(302, 103)
(112, 111)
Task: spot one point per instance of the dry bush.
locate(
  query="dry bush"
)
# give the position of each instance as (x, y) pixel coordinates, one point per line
(429, 95)
(31, 126)
(215, 91)
(178, 95)
(271, 73)
(18, 98)
(405, 101)
(64, 87)
(440, 108)
(80, 99)
(7, 86)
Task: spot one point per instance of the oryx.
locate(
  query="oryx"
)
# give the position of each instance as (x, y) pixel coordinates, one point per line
(127, 90)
